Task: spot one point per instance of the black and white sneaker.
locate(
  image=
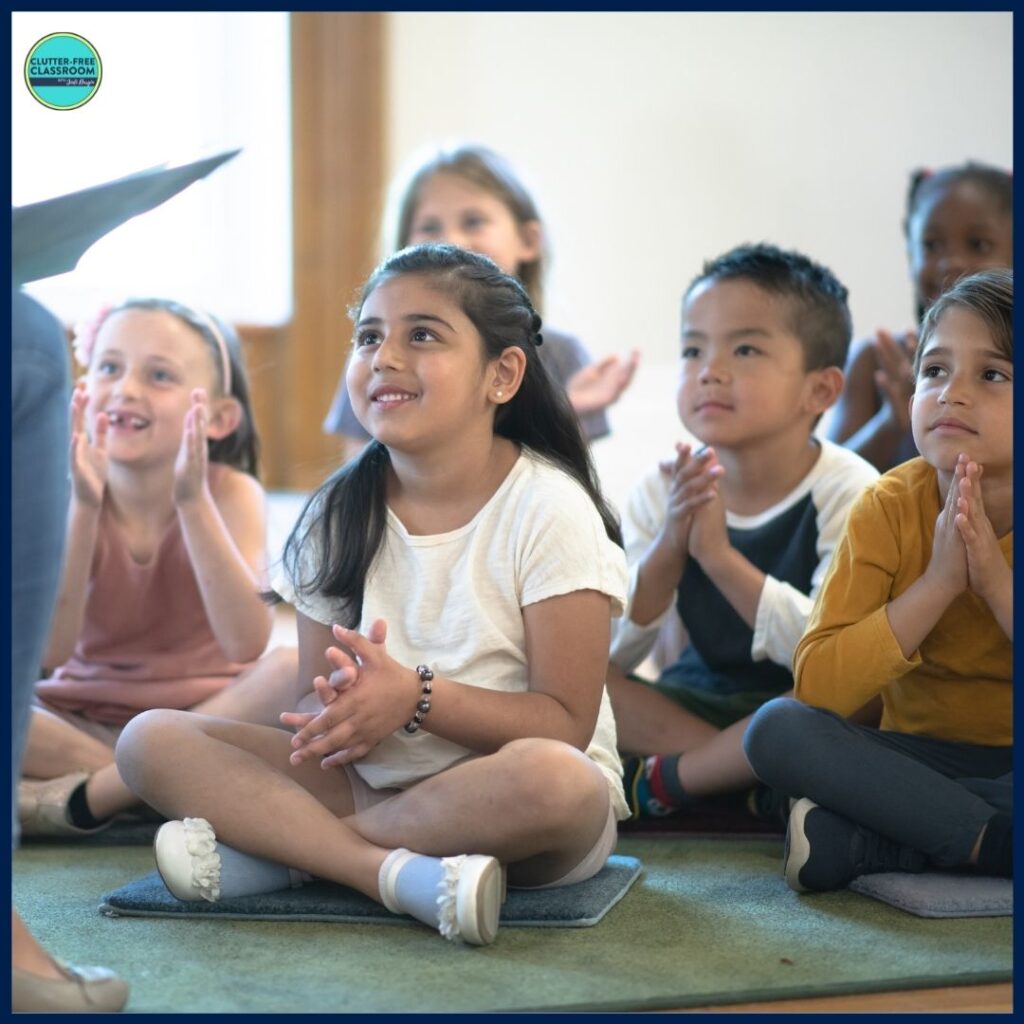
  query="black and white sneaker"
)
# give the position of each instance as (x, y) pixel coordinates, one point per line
(826, 851)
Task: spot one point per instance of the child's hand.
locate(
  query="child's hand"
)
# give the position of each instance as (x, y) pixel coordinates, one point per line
(895, 375)
(325, 688)
(708, 534)
(598, 385)
(987, 571)
(88, 457)
(692, 485)
(947, 568)
(190, 467)
(373, 695)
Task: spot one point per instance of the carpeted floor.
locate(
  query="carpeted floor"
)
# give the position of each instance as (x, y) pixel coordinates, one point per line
(709, 922)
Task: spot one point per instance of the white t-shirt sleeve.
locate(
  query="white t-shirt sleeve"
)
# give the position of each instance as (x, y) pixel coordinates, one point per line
(783, 611)
(643, 519)
(562, 544)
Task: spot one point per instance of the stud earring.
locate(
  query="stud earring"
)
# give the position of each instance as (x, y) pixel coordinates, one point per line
(499, 393)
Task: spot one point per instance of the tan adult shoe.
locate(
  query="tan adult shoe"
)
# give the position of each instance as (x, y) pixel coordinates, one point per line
(43, 806)
(83, 990)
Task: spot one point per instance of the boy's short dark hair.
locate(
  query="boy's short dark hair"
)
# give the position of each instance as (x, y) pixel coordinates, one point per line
(820, 315)
(988, 294)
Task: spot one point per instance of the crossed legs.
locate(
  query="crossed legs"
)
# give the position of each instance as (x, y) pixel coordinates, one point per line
(648, 722)
(55, 747)
(537, 805)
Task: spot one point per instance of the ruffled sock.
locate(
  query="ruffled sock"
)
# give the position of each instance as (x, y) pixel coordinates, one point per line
(459, 896)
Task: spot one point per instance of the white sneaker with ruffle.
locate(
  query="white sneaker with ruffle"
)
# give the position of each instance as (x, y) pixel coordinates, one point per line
(195, 866)
(459, 896)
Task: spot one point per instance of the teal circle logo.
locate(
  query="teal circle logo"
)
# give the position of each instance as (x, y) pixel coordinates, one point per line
(63, 71)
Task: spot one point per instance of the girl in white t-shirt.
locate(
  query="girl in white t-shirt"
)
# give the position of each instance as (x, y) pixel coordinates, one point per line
(454, 588)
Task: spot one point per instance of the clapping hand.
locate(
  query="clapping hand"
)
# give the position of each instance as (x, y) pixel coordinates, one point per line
(895, 374)
(598, 385)
(89, 460)
(191, 465)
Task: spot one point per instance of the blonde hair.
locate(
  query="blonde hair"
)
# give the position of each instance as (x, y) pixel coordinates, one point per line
(481, 167)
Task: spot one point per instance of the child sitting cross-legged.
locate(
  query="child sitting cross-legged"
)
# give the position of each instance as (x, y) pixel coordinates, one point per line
(737, 535)
(159, 602)
(917, 608)
(454, 588)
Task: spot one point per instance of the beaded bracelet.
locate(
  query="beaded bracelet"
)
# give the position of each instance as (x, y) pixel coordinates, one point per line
(424, 702)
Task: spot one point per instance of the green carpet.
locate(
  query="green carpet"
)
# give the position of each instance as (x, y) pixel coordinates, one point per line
(709, 922)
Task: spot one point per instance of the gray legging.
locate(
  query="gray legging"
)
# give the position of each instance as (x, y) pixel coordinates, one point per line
(39, 501)
(932, 795)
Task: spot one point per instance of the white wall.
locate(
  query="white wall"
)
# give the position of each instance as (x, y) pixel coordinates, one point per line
(656, 140)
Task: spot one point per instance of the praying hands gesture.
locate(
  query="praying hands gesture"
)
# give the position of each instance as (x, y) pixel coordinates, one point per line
(709, 537)
(191, 465)
(737, 578)
(692, 484)
(88, 455)
(366, 697)
(988, 574)
(965, 553)
(947, 567)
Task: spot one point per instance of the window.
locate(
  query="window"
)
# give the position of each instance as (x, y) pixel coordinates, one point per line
(176, 86)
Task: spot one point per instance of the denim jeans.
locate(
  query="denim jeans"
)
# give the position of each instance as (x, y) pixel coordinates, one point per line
(40, 394)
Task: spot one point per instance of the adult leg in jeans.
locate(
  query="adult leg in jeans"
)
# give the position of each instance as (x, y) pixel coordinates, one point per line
(39, 501)
(913, 790)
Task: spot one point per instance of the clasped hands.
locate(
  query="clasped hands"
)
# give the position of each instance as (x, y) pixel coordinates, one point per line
(366, 697)
(695, 520)
(965, 549)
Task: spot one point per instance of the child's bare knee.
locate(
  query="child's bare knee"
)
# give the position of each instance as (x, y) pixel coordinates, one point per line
(142, 739)
(553, 776)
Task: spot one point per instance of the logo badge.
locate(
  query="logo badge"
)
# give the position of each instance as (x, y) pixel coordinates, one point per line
(63, 71)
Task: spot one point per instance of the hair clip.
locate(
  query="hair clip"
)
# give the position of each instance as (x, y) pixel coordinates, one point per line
(85, 334)
(86, 331)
